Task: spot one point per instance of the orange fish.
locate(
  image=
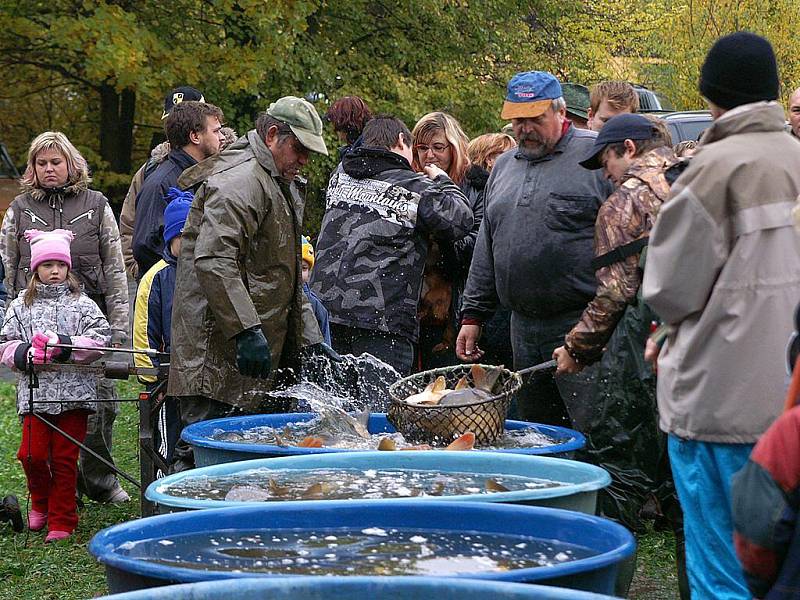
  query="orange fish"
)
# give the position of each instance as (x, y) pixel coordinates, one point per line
(464, 442)
(312, 442)
(420, 447)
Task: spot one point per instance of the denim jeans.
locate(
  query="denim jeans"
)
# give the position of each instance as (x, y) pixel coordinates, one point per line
(566, 400)
(394, 350)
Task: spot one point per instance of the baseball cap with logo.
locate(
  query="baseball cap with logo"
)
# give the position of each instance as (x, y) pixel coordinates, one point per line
(301, 116)
(178, 95)
(619, 128)
(529, 94)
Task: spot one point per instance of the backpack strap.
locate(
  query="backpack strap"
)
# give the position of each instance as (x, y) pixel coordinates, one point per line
(619, 254)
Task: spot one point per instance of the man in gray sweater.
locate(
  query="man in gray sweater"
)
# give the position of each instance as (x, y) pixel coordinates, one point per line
(535, 246)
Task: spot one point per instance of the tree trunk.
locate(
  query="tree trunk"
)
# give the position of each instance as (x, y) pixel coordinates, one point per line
(116, 127)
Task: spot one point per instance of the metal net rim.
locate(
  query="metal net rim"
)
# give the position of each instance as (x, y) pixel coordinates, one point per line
(510, 387)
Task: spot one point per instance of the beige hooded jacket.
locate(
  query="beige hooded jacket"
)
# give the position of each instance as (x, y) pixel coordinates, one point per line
(723, 267)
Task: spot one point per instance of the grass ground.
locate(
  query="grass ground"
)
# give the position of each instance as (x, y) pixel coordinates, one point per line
(66, 570)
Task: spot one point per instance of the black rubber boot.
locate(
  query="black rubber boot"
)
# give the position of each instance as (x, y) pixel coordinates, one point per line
(9, 512)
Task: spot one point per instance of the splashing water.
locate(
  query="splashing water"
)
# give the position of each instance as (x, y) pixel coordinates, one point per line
(356, 383)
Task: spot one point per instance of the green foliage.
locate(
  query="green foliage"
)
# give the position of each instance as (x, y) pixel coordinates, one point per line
(404, 58)
(65, 570)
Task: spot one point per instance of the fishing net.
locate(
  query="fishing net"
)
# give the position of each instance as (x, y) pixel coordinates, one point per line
(440, 424)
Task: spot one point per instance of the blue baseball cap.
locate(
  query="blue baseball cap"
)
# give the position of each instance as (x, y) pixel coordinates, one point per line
(529, 94)
(627, 126)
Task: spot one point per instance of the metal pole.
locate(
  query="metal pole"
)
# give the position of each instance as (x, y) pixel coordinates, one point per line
(146, 351)
(89, 450)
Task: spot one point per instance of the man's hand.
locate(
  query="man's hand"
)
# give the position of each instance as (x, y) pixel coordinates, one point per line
(432, 171)
(565, 364)
(651, 351)
(253, 358)
(467, 343)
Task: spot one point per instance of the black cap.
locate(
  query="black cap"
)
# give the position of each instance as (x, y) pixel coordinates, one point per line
(627, 126)
(740, 68)
(181, 94)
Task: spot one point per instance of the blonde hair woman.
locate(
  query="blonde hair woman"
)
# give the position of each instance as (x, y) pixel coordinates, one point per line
(439, 140)
(56, 195)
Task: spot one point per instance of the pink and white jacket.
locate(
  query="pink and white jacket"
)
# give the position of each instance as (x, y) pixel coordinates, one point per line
(70, 315)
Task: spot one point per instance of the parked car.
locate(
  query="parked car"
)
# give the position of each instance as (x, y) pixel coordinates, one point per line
(9, 181)
(687, 125)
(650, 101)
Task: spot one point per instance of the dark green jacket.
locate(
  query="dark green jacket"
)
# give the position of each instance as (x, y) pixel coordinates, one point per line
(239, 268)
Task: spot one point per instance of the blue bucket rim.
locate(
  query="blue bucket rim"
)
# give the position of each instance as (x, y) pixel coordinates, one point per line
(404, 582)
(601, 478)
(104, 543)
(575, 440)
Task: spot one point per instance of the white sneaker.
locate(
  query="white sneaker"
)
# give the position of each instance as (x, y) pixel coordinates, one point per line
(118, 496)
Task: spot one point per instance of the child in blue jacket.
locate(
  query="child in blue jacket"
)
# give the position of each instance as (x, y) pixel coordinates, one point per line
(153, 316)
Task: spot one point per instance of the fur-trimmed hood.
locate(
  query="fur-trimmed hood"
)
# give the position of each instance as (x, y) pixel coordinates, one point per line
(46, 193)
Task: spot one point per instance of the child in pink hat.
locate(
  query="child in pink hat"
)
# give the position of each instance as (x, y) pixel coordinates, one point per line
(52, 310)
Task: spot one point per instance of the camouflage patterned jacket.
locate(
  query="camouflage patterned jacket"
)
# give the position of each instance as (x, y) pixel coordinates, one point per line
(373, 243)
(56, 309)
(96, 250)
(627, 215)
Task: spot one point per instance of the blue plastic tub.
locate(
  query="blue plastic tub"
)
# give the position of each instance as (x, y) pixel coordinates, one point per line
(580, 495)
(353, 588)
(609, 542)
(208, 451)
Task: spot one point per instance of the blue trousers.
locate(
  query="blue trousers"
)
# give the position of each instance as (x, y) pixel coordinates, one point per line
(703, 472)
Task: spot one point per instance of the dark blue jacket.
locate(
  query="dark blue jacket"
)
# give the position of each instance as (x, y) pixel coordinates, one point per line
(320, 312)
(153, 318)
(148, 240)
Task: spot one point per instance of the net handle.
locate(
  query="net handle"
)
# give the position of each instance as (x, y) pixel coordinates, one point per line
(545, 366)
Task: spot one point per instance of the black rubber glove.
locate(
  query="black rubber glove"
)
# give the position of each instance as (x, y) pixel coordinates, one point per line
(253, 358)
(323, 349)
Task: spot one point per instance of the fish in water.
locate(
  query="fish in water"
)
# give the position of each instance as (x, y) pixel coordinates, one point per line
(311, 442)
(277, 490)
(336, 421)
(230, 436)
(316, 491)
(463, 442)
(247, 493)
(387, 443)
(493, 486)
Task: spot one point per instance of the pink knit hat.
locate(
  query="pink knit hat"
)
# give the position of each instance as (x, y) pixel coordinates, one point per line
(49, 245)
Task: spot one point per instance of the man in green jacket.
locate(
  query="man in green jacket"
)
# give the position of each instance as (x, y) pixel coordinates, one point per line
(239, 307)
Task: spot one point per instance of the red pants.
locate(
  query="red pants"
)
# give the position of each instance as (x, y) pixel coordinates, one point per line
(50, 462)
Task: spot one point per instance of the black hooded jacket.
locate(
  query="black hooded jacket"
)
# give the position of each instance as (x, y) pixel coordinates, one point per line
(372, 245)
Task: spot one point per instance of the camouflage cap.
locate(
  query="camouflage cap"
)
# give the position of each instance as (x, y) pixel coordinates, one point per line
(303, 119)
(577, 98)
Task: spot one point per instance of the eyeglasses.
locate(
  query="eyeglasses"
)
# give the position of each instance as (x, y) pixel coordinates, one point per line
(437, 148)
